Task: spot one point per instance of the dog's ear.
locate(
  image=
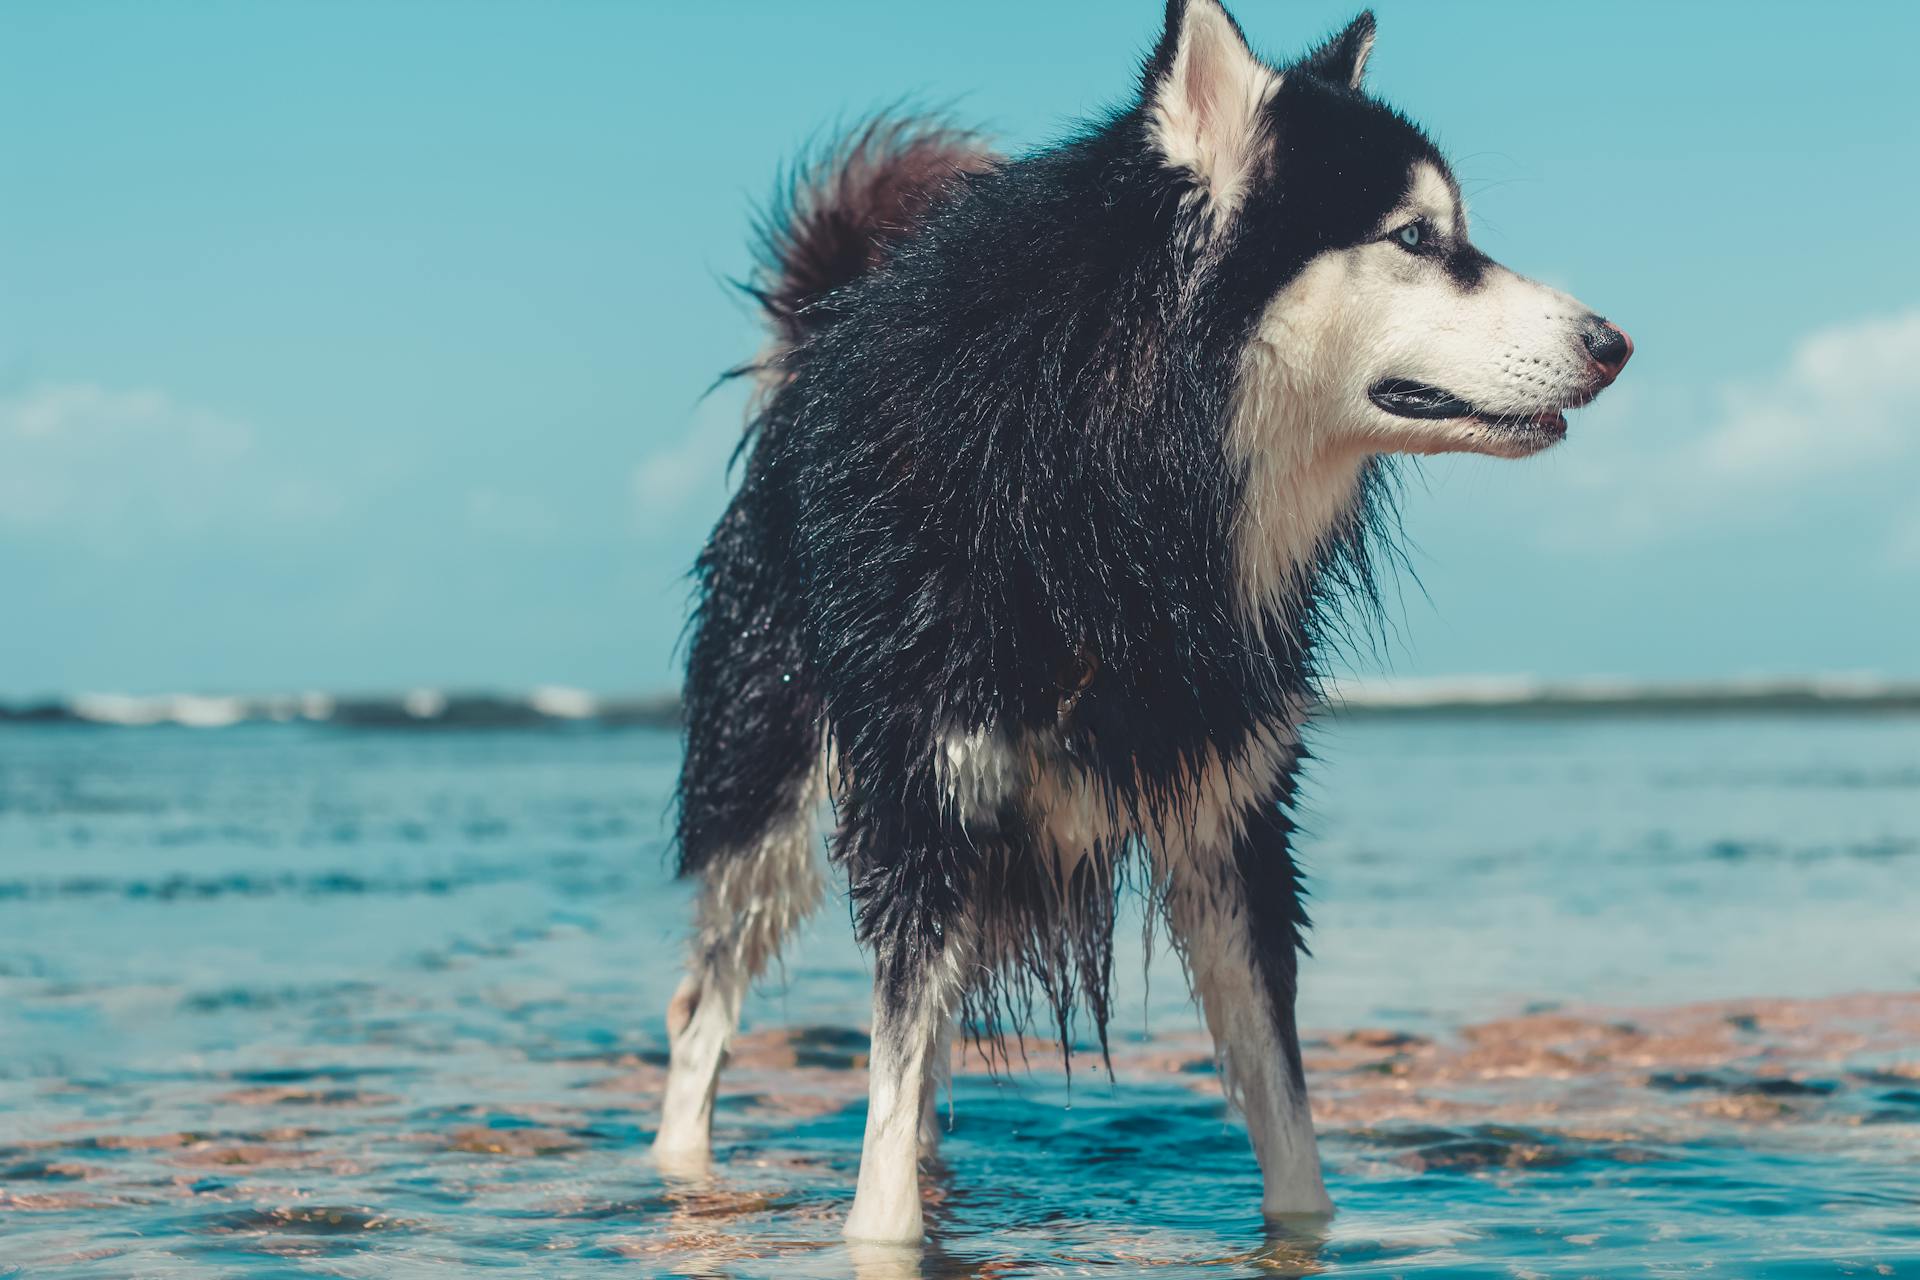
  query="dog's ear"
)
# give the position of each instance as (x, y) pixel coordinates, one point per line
(1205, 99)
(1343, 59)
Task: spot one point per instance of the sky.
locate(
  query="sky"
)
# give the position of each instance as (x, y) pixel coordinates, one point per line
(363, 346)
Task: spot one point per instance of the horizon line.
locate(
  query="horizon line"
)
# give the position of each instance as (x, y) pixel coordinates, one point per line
(556, 705)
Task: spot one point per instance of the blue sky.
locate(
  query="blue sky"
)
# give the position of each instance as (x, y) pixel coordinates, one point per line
(362, 346)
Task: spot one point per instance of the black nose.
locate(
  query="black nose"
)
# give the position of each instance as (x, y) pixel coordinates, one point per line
(1608, 344)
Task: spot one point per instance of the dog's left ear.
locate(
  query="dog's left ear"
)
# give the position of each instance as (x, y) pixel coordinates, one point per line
(1205, 99)
(1343, 59)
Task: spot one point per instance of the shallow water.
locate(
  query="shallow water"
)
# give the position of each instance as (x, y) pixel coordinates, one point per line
(287, 1000)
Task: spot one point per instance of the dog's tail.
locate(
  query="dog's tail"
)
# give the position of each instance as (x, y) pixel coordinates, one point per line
(842, 210)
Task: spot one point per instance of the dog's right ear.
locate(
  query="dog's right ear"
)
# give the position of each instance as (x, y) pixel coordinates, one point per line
(1343, 59)
(1205, 100)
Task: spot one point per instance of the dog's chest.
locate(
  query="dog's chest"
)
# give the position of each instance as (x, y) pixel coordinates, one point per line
(1069, 814)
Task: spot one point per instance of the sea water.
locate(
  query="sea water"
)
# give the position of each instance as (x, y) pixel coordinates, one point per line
(1587, 997)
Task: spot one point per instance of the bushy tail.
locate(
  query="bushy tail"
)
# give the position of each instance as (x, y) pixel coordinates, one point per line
(842, 210)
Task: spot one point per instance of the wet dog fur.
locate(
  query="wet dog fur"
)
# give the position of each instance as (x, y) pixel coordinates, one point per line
(1063, 469)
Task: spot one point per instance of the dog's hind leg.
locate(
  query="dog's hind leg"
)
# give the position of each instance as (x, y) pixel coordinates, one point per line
(750, 783)
(750, 898)
(911, 1008)
(912, 879)
(1237, 918)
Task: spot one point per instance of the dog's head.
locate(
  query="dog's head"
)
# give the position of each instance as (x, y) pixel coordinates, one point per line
(1339, 229)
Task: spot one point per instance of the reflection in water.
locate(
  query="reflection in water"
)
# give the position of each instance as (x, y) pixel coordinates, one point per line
(285, 1001)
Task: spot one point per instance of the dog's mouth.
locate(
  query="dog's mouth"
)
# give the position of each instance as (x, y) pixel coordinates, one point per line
(1404, 398)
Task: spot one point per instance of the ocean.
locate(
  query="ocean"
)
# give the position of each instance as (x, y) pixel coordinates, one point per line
(1635, 995)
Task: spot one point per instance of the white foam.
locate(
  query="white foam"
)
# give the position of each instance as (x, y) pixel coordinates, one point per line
(205, 713)
(119, 708)
(424, 704)
(192, 710)
(563, 703)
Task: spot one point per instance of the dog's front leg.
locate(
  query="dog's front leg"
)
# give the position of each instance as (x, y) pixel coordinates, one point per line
(1237, 915)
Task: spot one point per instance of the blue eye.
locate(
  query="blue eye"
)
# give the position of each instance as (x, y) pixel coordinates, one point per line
(1413, 235)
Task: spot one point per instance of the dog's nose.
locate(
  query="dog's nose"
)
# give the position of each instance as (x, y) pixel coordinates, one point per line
(1608, 344)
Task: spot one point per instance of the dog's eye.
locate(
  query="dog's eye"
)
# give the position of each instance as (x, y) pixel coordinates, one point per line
(1414, 235)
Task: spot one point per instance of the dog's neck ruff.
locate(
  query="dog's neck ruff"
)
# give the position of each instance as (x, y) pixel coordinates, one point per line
(1299, 490)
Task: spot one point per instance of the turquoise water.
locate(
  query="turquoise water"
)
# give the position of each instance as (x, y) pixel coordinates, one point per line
(1585, 1000)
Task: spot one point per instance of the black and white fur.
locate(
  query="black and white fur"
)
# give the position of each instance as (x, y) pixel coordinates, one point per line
(1062, 469)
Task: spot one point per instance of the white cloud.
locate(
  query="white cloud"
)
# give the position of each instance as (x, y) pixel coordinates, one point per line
(1848, 397)
(72, 448)
(691, 475)
(121, 466)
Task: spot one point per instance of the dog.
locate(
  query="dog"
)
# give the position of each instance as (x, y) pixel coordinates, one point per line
(1062, 470)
